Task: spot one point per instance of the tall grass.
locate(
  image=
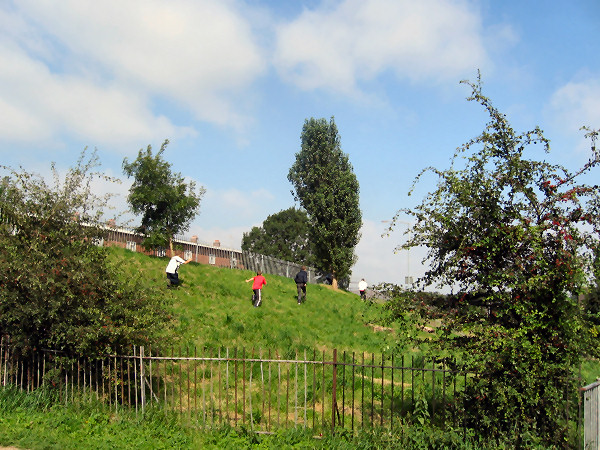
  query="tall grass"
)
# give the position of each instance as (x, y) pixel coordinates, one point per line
(40, 421)
(212, 308)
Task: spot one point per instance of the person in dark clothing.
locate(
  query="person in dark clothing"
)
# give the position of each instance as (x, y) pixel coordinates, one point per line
(301, 279)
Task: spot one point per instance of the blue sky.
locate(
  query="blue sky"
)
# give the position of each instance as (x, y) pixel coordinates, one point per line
(230, 83)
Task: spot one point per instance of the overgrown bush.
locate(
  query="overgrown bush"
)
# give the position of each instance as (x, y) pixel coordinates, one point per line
(514, 238)
(58, 290)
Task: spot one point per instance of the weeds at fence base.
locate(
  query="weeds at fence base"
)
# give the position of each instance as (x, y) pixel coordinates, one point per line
(41, 420)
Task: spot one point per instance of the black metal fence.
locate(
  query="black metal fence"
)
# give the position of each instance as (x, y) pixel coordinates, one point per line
(263, 390)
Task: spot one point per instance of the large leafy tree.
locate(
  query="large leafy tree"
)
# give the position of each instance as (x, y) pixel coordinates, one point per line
(167, 203)
(326, 187)
(514, 238)
(283, 235)
(58, 289)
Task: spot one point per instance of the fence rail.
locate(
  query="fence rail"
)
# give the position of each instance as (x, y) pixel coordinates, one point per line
(262, 390)
(266, 391)
(591, 415)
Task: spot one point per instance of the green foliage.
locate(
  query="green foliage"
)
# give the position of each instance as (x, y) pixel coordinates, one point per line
(327, 188)
(57, 289)
(592, 300)
(167, 203)
(514, 238)
(284, 235)
(213, 309)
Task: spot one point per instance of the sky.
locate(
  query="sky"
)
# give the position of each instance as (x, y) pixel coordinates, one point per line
(231, 82)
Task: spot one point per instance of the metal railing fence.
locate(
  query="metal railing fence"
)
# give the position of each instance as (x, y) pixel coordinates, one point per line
(222, 257)
(263, 390)
(275, 266)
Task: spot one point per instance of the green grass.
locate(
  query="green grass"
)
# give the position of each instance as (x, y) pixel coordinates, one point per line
(40, 421)
(212, 308)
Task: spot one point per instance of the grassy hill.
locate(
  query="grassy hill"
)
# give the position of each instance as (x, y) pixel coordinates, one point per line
(212, 308)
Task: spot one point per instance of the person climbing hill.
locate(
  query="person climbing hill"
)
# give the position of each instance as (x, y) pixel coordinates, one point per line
(258, 282)
(301, 279)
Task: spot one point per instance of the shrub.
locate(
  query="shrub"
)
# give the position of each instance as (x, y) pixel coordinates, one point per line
(515, 240)
(57, 288)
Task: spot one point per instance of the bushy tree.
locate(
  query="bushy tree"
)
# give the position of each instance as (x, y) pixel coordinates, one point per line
(326, 187)
(58, 289)
(167, 203)
(514, 238)
(283, 235)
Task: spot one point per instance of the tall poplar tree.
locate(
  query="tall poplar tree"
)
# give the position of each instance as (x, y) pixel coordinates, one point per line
(326, 187)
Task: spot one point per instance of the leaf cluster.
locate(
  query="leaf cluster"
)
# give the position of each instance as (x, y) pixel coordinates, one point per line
(514, 239)
(165, 200)
(57, 288)
(283, 235)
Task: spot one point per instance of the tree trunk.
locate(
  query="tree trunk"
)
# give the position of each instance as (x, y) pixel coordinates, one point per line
(334, 282)
(171, 246)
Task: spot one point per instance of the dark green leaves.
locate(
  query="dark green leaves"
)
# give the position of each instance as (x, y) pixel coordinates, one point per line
(514, 238)
(283, 235)
(165, 200)
(326, 187)
(57, 289)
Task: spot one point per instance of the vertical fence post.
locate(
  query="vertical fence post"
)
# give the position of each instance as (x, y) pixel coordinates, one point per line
(433, 390)
(314, 383)
(296, 391)
(343, 388)
(142, 390)
(353, 386)
(334, 391)
(591, 415)
(278, 388)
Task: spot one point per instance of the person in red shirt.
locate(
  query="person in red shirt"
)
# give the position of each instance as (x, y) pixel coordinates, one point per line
(257, 285)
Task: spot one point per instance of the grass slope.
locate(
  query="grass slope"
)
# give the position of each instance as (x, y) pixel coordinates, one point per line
(213, 309)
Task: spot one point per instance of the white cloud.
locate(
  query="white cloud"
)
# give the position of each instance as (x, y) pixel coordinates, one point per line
(379, 262)
(36, 104)
(356, 40)
(244, 204)
(222, 208)
(192, 51)
(97, 69)
(577, 103)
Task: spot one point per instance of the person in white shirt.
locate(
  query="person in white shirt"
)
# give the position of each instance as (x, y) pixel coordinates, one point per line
(362, 288)
(172, 270)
